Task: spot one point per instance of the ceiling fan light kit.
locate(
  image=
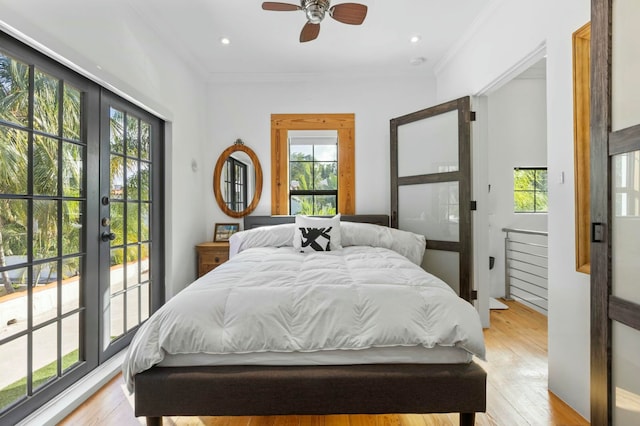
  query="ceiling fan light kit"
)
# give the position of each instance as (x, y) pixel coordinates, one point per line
(315, 10)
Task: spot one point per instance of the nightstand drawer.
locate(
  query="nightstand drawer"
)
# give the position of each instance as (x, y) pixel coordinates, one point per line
(211, 255)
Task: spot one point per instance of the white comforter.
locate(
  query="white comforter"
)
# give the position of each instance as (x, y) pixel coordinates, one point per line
(275, 299)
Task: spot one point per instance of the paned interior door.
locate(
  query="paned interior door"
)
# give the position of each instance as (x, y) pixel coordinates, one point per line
(615, 213)
(431, 187)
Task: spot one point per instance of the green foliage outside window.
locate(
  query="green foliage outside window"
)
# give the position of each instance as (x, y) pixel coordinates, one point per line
(313, 168)
(530, 190)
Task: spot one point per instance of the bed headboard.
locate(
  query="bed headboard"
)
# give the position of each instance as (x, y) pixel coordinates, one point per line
(251, 222)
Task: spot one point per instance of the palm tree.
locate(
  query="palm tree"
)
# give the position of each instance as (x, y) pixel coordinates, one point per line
(45, 163)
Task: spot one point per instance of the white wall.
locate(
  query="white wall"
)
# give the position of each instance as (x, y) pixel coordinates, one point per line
(517, 138)
(509, 32)
(110, 43)
(243, 109)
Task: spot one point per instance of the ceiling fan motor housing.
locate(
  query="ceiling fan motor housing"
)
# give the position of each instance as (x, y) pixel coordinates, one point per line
(315, 9)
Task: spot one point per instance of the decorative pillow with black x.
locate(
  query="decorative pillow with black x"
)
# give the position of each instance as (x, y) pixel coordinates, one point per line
(318, 239)
(317, 234)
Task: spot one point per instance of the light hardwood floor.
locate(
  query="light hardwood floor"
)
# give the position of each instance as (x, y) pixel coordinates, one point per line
(516, 389)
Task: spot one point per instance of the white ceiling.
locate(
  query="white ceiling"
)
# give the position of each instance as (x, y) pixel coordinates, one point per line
(266, 42)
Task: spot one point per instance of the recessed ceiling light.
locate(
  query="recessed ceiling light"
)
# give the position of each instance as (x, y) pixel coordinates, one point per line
(419, 60)
(415, 39)
(225, 40)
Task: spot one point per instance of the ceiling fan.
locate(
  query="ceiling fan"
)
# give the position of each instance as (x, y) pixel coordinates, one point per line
(347, 13)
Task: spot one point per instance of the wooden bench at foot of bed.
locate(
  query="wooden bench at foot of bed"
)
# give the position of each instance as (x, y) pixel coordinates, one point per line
(311, 390)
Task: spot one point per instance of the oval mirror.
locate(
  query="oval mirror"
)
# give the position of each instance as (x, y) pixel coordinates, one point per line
(237, 180)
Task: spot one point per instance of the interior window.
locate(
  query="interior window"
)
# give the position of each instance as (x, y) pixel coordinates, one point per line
(530, 190)
(313, 172)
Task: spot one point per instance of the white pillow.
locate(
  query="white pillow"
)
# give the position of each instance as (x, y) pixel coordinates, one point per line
(409, 244)
(265, 236)
(317, 233)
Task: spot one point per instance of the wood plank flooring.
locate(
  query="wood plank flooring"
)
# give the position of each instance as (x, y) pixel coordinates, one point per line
(516, 389)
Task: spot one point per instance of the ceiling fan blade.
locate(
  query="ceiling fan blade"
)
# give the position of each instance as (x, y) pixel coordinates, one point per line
(309, 32)
(349, 13)
(279, 7)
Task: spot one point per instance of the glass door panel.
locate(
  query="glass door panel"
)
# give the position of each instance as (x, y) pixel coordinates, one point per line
(625, 366)
(429, 145)
(432, 210)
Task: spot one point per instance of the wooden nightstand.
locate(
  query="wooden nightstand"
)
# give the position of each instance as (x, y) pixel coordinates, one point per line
(211, 255)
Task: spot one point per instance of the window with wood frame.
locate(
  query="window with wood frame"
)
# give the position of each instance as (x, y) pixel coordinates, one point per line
(282, 127)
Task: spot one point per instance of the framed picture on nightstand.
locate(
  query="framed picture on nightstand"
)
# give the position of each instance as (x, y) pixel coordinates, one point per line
(224, 231)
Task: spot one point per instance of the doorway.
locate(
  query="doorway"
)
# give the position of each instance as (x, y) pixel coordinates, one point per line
(518, 186)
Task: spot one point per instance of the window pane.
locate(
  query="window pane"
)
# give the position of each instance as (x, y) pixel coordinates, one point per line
(13, 219)
(301, 153)
(70, 341)
(144, 302)
(132, 180)
(45, 229)
(13, 384)
(144, 262)
(117, 271)
(71, 113)
(132, 223)
(301, 204)
(116, 311)
(116, 137)
(45, 166)
(71, 284)
(14, 307)
(325, 152)
(71, 227)
(117, 176)
(145, 141)
(72, 161)
(132, 266)
(14, 151)
(524, 201)
(117, 222)
(45, 114)
(523, 180)
(325, 205)
(300, 175)
(326, 176)
(542, 202)
(45, 355)
(133, 318)
(144, 222)
(145, 189)
(14, 90)
(45, 292)
(133, 138)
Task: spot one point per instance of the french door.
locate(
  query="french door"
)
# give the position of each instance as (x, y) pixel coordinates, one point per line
(615, 213)
(431, 187)
(70, 297)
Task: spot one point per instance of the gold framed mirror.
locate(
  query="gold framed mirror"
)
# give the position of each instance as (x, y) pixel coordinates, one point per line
(237, 180)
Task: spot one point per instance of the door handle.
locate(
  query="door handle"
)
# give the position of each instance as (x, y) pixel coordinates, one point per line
(108, 236)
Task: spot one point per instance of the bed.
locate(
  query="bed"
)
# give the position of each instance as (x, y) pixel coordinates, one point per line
(331, 338)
